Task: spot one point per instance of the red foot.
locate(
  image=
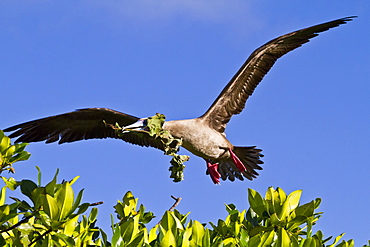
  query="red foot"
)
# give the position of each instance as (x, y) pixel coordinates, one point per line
(237, 161)
(213, 172)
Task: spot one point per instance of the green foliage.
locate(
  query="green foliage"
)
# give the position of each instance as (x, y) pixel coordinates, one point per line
(275, 220)
(11, 153)
(49, 218)
(52, 215)
(171, 146)
(170, 143)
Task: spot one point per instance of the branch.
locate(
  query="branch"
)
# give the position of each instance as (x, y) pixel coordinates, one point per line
(177, 201)
(96, 203)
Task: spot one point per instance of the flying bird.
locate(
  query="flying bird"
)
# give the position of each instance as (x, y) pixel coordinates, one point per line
(203, 136)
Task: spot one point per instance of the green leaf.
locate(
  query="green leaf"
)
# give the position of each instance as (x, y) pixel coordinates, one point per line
(93, 215)
(168, 240)
(306, 209)
(27, 186)
(77, 201)
(51, 207)
(186, 237)
(11, 183)
(129, 229)
(38, 176)
(254, 241)
(74, 180)
(117, 240)
(50, 188)
(206, 238)
(83, 207)
(155, 123)
(267, 238)
(130, 204)
(198, 233)
(65, 239)
(4, 142)
(171, 222)
(256, 202)
(2, 196)
(290, 204)
(153, 233)
(283, 238)
(64, 197)
(336, 240)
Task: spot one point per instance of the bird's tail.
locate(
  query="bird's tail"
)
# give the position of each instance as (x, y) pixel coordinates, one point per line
(250, 157)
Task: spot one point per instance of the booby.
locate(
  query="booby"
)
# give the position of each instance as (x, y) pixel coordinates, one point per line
(203, 136)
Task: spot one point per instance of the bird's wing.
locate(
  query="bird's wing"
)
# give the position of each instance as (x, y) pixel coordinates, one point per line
(233, 97)
(81, 124)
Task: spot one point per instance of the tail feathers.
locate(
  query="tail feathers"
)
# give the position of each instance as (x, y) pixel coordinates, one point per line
(251, 158)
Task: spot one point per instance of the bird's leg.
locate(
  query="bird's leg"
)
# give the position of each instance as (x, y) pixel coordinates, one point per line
(213, 172)
(237, 161)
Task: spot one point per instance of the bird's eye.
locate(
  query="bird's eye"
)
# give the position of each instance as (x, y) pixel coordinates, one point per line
(145, 122)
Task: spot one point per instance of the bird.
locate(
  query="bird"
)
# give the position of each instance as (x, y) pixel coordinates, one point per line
(203, 136)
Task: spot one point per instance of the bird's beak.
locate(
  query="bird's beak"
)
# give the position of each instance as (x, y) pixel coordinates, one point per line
(139, 125)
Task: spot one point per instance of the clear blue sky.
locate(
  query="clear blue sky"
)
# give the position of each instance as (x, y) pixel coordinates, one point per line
(310, 114)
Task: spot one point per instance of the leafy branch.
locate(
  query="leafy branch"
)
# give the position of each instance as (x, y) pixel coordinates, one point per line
(171, 144)
(11, 153)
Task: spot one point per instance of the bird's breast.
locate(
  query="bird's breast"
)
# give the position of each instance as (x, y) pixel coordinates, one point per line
(199, 138)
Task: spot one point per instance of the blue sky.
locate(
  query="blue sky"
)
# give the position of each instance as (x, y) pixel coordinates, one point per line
(310, 114)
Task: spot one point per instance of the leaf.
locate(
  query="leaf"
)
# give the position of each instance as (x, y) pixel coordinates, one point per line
(171, 222)
(38, 176)
(153, 233)
(283, 238)
(64, 197)
(129, 229)
(74, 180)
(51, 186)
(267, 238)
(2, 196)
(155, 123)
(186, 237)
(51, 207)
(206, 239)
(130, 204)
(27, 186)
(93, 215)
(306, 209)
(256, 202)
(11, 183)
(117, 240)
(254, 241)
(198, 233)
(168, 222)
(291, 203)
(65, 239)
(336, 240)
(4, 142)
(168, 240)
(77, 201)
(83, 207)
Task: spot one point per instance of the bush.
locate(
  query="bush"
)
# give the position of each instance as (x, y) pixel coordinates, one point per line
(52, 215)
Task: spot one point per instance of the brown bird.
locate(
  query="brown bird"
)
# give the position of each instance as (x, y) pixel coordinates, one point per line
(203, 136)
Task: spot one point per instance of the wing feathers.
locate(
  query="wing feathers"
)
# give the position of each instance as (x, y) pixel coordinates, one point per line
(82, 124)
(233, 97)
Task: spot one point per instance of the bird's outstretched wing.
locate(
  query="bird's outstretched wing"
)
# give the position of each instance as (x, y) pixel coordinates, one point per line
(79, 125)
(233, 97)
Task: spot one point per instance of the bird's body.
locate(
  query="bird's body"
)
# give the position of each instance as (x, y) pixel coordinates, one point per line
(201, 141)
(204, 136)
